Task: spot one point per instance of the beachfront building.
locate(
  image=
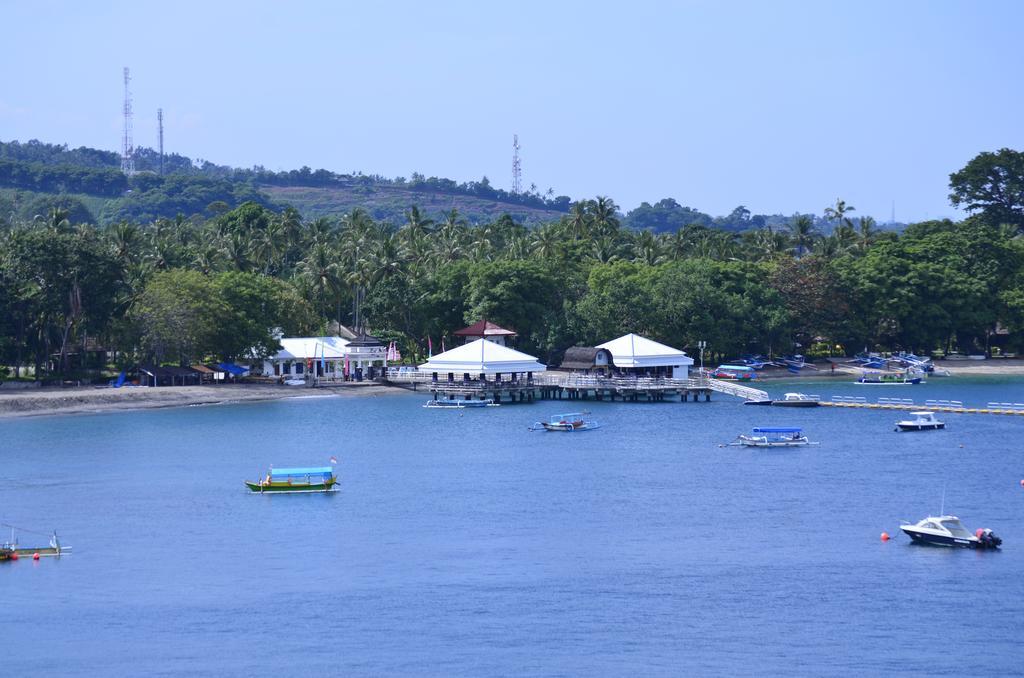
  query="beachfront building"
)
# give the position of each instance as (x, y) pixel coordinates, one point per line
(485, 329)
(588, 360)
(639, 356)
(330, 358)
(481, 361)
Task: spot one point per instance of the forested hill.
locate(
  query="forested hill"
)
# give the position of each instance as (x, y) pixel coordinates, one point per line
(89, 184)
(93, 188)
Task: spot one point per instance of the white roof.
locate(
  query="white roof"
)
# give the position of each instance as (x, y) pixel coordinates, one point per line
(482, 357)
(632, 350)
(304, 348)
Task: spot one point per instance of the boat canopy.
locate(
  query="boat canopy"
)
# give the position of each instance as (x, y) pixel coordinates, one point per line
(325, 471)
(777, 429)
(570, 416)
(736, 368)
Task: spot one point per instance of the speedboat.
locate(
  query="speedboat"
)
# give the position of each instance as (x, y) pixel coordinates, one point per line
(774, 436)
(798, 400)
(573, 421)
(922, 421)
(949, 531)
(459, 404)
(790, 400)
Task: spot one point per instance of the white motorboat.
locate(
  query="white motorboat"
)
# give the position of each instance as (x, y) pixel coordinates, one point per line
(922, 421)
(774, 436)
(949, 531)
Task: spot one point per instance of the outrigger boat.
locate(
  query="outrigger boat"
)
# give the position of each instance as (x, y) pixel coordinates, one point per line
(773, 436)
(460, 404)
(312, 479)
(889, 378)
(572, 421)
(10, 550)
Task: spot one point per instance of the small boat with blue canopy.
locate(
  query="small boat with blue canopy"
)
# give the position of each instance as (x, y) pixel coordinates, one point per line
(311, 479)
(774, 436)
(573, 421)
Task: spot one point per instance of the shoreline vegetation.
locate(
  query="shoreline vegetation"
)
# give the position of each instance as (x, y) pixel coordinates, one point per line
(90, 400)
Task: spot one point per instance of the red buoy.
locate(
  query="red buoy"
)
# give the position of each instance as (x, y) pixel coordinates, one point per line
(1022, 483)
(978, 532)
(35, 556)
(885, 536)
(15, 556)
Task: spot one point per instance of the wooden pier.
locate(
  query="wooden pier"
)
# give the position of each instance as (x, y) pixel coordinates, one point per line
(949, 406)
(571, 386)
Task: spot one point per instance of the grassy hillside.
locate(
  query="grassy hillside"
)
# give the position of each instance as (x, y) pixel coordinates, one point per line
(389, 203)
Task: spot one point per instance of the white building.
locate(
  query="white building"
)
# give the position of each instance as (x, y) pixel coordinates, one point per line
(481, 359)
(638, 355)
(325, 358)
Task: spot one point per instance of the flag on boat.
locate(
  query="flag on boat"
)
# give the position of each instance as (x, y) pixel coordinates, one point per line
(333, 460)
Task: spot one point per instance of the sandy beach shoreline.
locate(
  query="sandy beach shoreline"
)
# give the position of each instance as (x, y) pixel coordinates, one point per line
(89, 400)
(86, 400)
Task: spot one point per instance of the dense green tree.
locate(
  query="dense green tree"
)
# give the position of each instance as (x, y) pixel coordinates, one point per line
(992, 184)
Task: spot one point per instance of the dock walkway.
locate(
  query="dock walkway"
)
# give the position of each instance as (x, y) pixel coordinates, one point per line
(572, 386)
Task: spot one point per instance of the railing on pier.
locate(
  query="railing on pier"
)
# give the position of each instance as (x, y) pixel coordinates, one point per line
(578, 382)
(853, 400)
(945, 404)
(902, 402)
(734, 389)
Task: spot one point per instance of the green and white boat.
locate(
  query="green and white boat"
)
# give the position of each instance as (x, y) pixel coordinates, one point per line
(312, 479)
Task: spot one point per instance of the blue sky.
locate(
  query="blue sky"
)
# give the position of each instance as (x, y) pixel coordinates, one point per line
(778, 106)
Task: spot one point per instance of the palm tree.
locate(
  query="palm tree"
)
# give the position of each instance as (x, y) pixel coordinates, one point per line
(838, 212)
(55, 221)
(802, 232)
(866, 233)
(603, 214)
(320, 273)
(546, 241)
(124, 238)
(647, 249)
(845, 237)
(417, 223)
(604, 250)
(320, 231)
(269, 245)
(578, 221)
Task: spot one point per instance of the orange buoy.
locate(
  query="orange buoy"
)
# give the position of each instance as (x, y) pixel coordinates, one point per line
(1022, 483)
(35, 556)
(885, 536)
(978, 532)
(15, 556)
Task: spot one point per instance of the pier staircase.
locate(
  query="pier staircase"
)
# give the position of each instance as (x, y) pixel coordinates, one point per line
(734, 389)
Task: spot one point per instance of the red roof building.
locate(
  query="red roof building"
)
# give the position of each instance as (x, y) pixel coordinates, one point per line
(485, 329)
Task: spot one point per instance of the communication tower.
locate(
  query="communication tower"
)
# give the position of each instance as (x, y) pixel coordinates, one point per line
(127, 148)
(517, 172)
(160, 136)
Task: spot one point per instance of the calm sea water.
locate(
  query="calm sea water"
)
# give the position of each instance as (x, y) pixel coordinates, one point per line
(463, 544)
